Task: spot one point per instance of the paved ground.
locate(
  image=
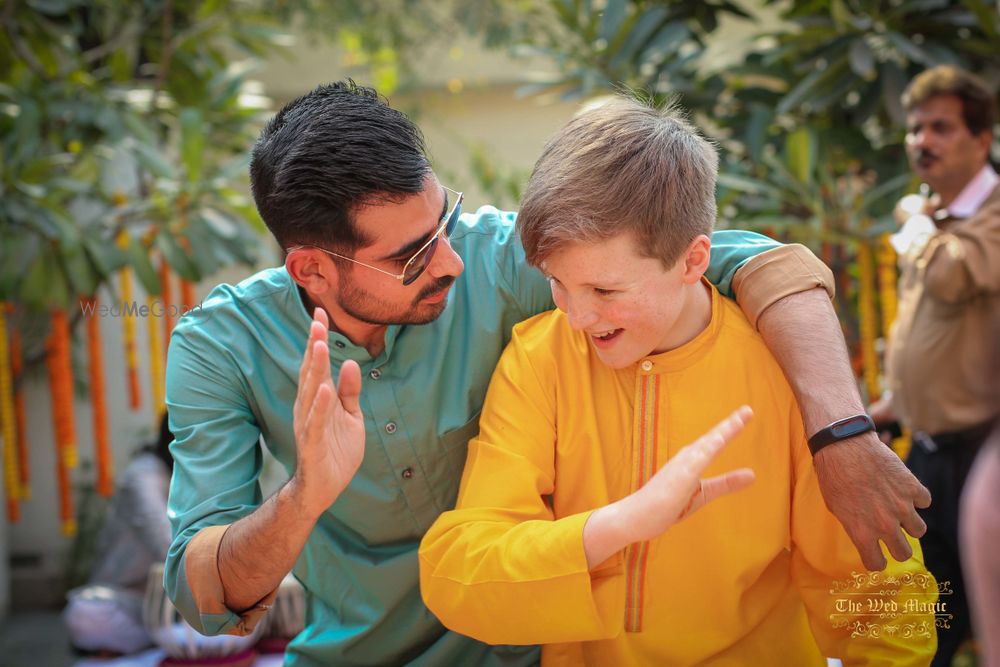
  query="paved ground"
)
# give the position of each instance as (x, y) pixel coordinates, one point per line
(34, 639)
(38, 639)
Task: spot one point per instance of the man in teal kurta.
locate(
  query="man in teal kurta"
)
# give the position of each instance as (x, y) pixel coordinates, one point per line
(423, 301)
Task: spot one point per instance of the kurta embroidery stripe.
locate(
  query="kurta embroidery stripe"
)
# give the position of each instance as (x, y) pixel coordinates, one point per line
(644, 465)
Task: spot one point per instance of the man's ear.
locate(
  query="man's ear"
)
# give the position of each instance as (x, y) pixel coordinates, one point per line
(311, 270)
(985, 141)
(696, 259)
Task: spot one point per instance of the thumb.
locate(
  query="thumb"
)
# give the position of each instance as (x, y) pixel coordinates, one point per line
(349, 386)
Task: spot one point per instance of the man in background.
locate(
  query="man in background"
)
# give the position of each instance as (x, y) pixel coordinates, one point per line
(942, 343)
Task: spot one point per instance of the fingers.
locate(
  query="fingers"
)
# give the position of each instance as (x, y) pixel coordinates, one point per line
(730, 482)
(922, 499)
(715, 487)
(869, 550)
(317, 332)
(899, 547)
(349, 386)
(914, 525)
(700, 453)
(318, 416)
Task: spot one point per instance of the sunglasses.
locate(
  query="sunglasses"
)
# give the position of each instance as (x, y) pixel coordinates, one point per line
(421, 259)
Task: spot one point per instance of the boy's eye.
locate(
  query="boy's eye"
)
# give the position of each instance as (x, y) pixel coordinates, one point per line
(603, 292)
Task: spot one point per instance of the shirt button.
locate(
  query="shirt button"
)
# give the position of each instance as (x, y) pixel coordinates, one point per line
(339, 344)
(646, 365)
(390, 428)
(407, 473)
(375, 374)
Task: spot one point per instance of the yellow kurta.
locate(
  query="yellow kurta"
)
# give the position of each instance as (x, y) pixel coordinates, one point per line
(745, 581)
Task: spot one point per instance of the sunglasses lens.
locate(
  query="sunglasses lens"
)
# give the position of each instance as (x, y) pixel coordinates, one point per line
(456, 213)
(419, 262)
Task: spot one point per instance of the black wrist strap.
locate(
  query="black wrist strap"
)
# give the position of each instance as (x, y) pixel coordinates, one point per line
(840, 430)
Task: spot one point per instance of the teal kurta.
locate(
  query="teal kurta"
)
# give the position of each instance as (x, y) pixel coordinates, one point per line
(231, 377)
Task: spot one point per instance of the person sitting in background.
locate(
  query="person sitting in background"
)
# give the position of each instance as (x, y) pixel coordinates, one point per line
(568, 529)
(105, 615)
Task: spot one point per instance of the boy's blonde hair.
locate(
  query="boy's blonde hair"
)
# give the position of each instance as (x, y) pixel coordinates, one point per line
(625, 166)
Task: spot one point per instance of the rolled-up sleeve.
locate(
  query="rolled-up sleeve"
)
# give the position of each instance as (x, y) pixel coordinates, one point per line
(217, 462)
(777, 273)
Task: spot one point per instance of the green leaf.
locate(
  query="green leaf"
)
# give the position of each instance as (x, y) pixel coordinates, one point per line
(666, 43)
(152, 159)
(989, 18)
(757, 127)
(911, 50)
(862, 59)
(747, 184)
(177, 258)
(840, 14)
(138, 259)
(644, 27)
(77, 268)
(801, 91)
(106, 257)
(192, 142)
(612, 19)
(43, 287)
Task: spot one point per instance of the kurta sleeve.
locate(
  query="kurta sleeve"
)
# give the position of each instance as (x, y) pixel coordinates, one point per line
(499, 567)
(876, 619)
(217, 462)
(964, 262)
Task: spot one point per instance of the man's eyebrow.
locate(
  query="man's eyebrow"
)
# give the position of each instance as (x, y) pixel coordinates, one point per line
(411, 247)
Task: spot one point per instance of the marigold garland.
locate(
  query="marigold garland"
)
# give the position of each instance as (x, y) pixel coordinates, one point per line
(886, 259)
(98, 401)
(187, 295)
(7, 421)
(155, 356)
(867, 321)
(60, 364)
(17, 367)
(61, 389)
(128, 330)
(885, 256)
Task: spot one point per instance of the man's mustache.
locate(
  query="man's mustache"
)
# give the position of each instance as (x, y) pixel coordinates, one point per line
(439, 286)
(926, 154)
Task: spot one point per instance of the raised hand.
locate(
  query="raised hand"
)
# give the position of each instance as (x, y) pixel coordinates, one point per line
(677, 489)
(329, 426)
(873, 495)
(674, 492)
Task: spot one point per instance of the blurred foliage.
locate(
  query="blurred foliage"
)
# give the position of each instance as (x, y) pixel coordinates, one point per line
(808, 119)
(124, 120)
(135, 116)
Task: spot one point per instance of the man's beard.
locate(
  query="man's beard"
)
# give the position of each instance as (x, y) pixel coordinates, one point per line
(368, 308)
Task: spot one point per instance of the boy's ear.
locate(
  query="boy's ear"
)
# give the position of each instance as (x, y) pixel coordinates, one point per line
(696, 259)
(307, 268)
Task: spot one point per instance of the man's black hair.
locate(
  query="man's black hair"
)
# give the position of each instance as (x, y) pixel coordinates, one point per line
(326, 154)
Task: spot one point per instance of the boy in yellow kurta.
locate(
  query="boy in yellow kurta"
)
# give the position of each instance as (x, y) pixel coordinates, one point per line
(566, 530)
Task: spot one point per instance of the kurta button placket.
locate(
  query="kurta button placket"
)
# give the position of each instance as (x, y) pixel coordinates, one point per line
(375, 374)
(407, 473)
(390, 428)
(339, 343)
(646, 365)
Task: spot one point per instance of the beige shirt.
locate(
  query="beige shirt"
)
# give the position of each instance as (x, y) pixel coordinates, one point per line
(943, 347)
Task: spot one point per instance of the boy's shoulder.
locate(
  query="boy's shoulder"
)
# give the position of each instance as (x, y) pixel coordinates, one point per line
(549, 335)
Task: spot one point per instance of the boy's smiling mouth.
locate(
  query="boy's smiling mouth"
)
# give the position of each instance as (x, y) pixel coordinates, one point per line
(605, 338)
